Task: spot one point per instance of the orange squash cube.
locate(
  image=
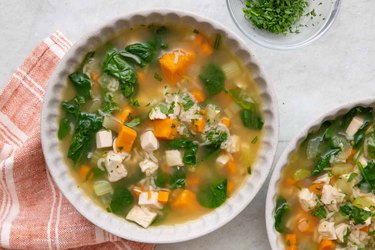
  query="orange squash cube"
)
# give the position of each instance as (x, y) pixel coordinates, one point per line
(125, 139)
(165, 129)
(175, 64)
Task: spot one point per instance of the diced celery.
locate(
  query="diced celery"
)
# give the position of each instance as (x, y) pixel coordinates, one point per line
(301, 174)
(232, 110)
(245, 154)
(363, 202)
(96, 155)
(94, 105)
(231, 69)
(312, 148)
(102, 187)
(112, 123)
(339, 218)
(212, 112)
(340, 169)
(344, 185)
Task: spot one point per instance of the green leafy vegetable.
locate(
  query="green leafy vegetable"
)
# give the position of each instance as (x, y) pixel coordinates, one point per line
(249, 114)
(164, 109)
(324, 161)
(122, 199)
(213, 78)
(178, 178)
(320, 212)
(368, 174)
(254, 140)
(371, 145)
(88, 124)
(358, 215)
(275, 16)
(346, 235)
(133, 123)
(115, 65)
(161, 179)
(73, 106)
(82, 84)
(251, 119)
(352, 176)
(64, 128)
(214, 194)
(145, 51)
(371, 233)
(315, 140)
(109, 105)
(190, 147)
(282, 209)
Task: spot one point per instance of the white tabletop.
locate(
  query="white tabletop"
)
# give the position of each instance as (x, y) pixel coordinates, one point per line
(338, 68)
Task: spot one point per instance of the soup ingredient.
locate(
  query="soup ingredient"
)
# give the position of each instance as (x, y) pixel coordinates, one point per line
(214, 194)
(165, 150)
(175, 64)
(88, 124)
(281, 210)
(115, 65)
(339, 191)
(122, 198)
(275, 16)
(213, 79)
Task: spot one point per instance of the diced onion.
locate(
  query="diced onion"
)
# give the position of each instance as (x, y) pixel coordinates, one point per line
(111, 123)
(363, 202)
(301, 174)
(340, 169)
(102, 187)
(231, 69)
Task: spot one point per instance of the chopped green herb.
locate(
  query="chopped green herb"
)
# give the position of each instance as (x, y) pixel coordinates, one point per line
(320, 212)
(254, 140)
(275, 16)
(358, 215)
(187, 102)
(217, 42)
(109, 105)
(196, 31)
(134, 102)
(352, 176)
(249, 170)
(158, 77)
(133, 123)
(346, 235)
(178, 178)
(164, 109)
(371, 233)
(324, 161)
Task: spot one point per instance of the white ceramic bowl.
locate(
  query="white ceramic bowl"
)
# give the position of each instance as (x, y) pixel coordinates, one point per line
(110, 222)
(273, 235)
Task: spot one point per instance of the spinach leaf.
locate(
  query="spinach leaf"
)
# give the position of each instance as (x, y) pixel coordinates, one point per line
(242, 99)
(145, 51)
(82, 84)
(121, 199)
(214, 194)
(371, 145)
(88, 124)
(282, 209)
(348, 117)
(178, 178)
(324, 161)
(207, 153)
(64, 128)
(159, 39)
(115, 65)
(190, 147)
(109, 105)
(161, 179)
(131, 57)
(249, 114)
(358, 215)
(213, 78)
(73, 106)
(320, 212)
(251, 119)
(368, 174)
(187, 102)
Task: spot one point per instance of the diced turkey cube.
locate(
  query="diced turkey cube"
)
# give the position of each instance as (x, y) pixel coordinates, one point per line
(148, 167)
(141, 215)
(104, 139)
(149, 198)
(354, 125)
(116, 172)
(307, 199)
(325, 179)
(174, 158)
(234, 145)
(341, 231)
(149, 142)
(331, 196)
(222, 159)
(156, 113)
(327, 230)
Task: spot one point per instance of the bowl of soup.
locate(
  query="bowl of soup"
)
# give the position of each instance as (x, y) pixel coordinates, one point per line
(321, 194)
(159, 126)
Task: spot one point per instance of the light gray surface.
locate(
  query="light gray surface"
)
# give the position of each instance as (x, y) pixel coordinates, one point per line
(338, 68)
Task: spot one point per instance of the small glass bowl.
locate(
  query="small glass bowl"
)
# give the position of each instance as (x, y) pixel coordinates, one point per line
(310, 29)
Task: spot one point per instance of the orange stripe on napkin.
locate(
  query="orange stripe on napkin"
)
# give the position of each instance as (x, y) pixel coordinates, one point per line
(33, 212)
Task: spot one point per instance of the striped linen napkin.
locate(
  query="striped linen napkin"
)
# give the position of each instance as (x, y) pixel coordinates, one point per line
(33, 212)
